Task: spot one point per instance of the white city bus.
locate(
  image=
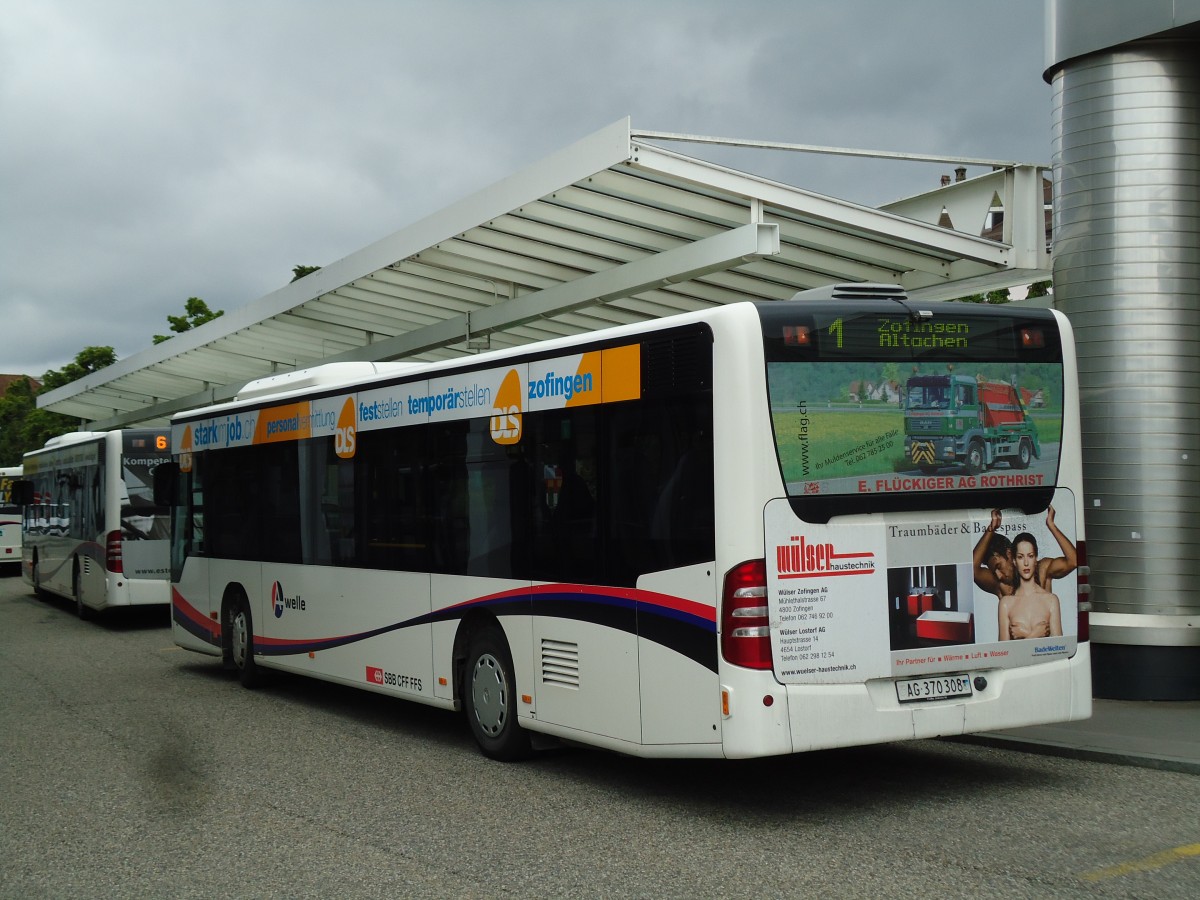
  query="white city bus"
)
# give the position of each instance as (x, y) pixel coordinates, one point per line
(92, 531)
(10, 518)
(696, 537)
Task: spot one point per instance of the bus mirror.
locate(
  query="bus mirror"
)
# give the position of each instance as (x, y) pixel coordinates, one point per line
(166, 483)
(22, 493)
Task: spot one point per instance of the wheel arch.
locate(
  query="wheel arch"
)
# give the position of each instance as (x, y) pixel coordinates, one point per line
(472, 624)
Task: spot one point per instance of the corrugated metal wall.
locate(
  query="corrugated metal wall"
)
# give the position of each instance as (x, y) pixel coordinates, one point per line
(1126, 145)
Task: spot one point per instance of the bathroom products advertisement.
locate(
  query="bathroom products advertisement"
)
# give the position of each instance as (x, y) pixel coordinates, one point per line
(866, 598)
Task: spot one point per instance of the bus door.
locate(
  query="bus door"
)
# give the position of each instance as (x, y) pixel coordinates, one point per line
(194, 622)
(585, 646)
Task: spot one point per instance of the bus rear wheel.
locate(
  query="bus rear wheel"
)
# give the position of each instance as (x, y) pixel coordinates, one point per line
(241, 643)
(489, 698)
(36, 573)
(81, 609)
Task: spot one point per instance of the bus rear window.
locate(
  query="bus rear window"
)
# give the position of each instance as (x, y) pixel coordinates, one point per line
(141, 519)
(877, 408)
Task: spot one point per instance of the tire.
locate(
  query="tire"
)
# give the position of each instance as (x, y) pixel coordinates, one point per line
(490, 698)
(84, 612)
(241, 643)
(1024, 455)
(975, 458)
(37, 576)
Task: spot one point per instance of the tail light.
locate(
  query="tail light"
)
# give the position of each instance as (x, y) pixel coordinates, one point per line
(1082, 572)
(112, 553)
(745, 621)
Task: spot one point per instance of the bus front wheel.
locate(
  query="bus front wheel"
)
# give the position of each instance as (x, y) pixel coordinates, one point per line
(241, 643)
(489, 698)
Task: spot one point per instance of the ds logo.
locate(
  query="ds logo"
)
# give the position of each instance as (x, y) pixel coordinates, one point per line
(345, 436)
(506, 427)
(505, 423)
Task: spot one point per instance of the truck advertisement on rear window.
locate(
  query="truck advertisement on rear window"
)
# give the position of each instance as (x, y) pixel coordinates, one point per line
(875, 597)
(868, 401)
(886, 414)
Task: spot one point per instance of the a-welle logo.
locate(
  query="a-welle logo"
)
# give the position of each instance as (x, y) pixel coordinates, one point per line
(280, 602)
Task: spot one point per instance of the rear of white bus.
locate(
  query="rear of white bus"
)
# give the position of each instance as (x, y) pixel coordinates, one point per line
(878, 599)
(137, 556)
(10, 519)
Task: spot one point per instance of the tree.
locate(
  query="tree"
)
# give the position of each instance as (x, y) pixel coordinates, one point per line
(87, 361)
(15, 407)
(993, 297)
(1039, 289)
(891, 373)
(299, 272)
(195, 313)
(24, 427)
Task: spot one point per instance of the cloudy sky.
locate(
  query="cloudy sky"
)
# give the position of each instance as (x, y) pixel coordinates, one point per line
(154, 151)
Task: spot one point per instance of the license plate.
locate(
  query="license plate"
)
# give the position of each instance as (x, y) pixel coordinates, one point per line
(941, 687)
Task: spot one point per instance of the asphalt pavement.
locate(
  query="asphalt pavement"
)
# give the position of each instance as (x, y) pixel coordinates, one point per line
(1151, 734)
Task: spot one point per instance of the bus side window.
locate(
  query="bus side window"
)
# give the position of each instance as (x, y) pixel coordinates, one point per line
(318, 502)
(660, 514)
(281, 512)
(383, 502)
(566, 546)
(637, 460)
(234, 512)
(683, 517)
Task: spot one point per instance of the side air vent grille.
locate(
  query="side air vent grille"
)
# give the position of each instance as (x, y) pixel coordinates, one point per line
(677, 363)
(560, 663)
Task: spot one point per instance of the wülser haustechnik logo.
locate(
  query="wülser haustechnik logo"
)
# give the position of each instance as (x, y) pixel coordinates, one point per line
(802, 559)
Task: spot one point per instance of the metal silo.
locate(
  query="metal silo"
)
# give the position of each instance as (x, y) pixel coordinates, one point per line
(1126, 154)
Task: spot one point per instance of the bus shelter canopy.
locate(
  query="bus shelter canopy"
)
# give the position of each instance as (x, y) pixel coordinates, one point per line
(612, 230)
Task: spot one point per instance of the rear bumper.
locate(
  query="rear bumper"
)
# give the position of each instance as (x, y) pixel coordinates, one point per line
(855, 714)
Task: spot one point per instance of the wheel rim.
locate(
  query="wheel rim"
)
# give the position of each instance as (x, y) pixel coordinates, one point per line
(239, 638)
(489, 695)
(975, 458)
(1026, 454)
